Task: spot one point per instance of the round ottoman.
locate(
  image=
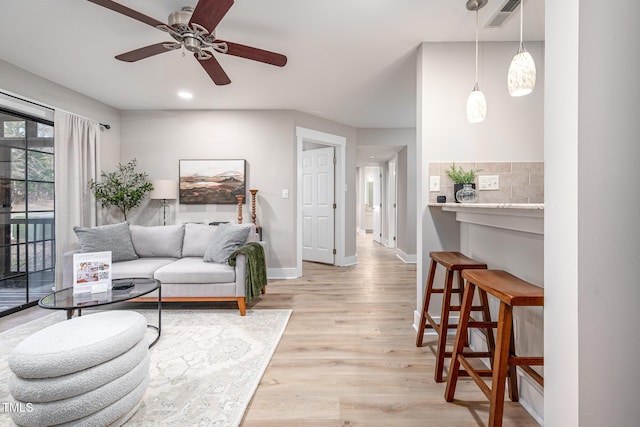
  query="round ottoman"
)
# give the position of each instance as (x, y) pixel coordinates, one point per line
(88, 370)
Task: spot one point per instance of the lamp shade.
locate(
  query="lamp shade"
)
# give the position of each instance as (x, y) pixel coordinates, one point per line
(521, 79)
(164, 189)
(476, 106)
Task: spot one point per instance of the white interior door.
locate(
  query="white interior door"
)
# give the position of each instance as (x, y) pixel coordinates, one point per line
(377, 206)
(318, 205)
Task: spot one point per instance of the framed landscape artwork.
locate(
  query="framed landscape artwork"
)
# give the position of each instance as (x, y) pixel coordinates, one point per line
(212, 182)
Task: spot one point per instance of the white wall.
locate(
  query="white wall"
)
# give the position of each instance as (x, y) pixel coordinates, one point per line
(592, 243)
(30, 86)
(265, 138)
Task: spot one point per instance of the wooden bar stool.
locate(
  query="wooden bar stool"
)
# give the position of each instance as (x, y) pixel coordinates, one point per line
(511, 292)
(452, 262)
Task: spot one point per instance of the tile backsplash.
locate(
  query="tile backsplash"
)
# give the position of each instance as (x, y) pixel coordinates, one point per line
(519, 182)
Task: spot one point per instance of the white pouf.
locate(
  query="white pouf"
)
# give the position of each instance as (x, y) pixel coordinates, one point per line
(77, 344)
(92, 369)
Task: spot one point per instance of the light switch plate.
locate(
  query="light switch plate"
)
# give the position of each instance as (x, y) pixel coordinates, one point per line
(434, 183)
(285, 193)
(489, 182)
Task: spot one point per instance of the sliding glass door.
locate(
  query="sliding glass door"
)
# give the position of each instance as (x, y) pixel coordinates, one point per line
(27, 238)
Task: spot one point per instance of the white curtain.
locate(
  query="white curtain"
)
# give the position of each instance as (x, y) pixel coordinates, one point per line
(77, 160)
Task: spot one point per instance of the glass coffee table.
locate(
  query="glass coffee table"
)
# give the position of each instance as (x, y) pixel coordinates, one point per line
(122, 290)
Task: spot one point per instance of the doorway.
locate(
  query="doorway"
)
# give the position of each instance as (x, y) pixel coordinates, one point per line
(310, 136)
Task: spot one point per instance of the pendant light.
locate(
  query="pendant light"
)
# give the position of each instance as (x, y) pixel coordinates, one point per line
(476, 103)
(522, 71)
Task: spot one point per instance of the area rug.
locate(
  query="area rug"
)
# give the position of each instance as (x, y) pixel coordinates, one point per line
(204, 369)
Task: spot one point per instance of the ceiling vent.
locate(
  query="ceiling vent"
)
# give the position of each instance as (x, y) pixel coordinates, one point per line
(503, 13)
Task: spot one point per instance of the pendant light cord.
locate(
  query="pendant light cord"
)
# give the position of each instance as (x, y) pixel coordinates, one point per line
(521, 22)
(476, 86)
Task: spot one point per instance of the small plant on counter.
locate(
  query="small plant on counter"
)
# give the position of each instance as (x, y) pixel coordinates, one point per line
(460, 176)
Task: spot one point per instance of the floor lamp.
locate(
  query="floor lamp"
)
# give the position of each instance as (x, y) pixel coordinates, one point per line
(164, 189)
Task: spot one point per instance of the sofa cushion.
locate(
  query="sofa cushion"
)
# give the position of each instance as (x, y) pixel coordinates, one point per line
(225, 240)
(141, 267)
(194, 270)
(196, 239)
(161, 241)
(114, 237)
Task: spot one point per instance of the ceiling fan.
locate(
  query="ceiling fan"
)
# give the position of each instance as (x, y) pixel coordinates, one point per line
(194, 29)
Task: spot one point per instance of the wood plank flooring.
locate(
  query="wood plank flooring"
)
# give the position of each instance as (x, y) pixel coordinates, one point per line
(348, 355)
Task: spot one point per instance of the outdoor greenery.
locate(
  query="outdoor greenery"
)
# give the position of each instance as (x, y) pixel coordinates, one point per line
(460, 176)
(124, 188)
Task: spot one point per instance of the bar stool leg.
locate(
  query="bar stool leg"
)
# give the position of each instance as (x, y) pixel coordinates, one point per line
(463, 323)
(488, 332)
(444, 327)
(513, 379)
(425, 303)
(500, 365)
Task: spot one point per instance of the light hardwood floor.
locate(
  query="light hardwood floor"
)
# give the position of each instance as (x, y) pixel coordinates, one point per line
(348, 356)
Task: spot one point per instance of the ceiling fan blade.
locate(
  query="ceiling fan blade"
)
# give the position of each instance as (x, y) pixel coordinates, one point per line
(117, 7)
(209, 13)
(255, 54)
(214, 69)
(145, 52)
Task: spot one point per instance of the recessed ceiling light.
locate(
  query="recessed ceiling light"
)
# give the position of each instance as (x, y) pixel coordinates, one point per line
(185, 95)
(372, 157)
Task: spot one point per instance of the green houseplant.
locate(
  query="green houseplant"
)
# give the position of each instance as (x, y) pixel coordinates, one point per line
(124, 188)
(460, 177)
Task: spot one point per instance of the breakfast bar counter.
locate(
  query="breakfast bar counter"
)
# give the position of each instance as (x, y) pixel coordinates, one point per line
(510, 237)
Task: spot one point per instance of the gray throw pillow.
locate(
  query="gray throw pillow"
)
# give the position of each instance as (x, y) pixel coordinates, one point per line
(225, 240)
(115, 238)
(160, 241)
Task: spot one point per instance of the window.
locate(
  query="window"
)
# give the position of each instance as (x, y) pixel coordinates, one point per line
(27, 211)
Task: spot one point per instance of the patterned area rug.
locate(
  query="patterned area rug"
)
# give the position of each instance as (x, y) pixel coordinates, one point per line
(204, 369)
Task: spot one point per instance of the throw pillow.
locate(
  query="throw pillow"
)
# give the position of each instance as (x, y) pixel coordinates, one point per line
(160, 241)
(225, 240)
(196, 239)
(115, 238)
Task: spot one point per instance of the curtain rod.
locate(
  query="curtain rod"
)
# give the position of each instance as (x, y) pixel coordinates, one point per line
(40, 104)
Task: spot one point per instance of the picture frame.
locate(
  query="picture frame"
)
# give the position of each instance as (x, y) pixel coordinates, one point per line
(212, 182)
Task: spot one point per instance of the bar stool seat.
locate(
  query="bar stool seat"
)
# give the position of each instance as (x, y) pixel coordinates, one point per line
(452, 262)
(511, 292)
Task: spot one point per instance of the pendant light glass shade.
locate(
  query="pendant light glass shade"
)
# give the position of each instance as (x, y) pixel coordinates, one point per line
(522, 74)
(521, 79)
(476, 106)
(476, 102)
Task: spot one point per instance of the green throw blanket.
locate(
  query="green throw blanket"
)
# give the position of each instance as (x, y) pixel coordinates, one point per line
(256, 274)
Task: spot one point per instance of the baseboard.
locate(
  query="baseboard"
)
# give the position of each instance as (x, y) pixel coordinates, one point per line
(282, 273)
(406, 258)
(349, 260)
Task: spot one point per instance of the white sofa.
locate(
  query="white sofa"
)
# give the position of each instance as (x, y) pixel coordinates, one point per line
(174, 255)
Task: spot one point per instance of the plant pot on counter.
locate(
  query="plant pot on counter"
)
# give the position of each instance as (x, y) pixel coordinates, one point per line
(468, 197)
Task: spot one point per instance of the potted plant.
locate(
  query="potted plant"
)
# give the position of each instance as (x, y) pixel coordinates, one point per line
(460, 177)
(124, 188)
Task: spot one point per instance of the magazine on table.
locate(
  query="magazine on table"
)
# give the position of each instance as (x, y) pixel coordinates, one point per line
(92, 272)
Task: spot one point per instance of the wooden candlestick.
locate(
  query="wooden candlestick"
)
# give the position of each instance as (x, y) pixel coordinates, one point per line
(240, 198)
(253, 206)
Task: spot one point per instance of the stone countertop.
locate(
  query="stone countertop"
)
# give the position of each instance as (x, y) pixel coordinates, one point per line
(529, 206)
